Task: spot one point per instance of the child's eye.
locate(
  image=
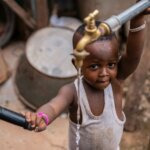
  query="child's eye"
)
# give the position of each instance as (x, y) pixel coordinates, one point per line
(94, 66)
(112, 65)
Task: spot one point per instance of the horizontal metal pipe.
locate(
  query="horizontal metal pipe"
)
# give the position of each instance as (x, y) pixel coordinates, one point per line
(115, 22)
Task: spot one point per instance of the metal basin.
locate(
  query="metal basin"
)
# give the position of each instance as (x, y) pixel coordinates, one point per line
(45, 66)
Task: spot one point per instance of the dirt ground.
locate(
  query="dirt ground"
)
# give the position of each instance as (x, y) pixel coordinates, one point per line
(55, 137)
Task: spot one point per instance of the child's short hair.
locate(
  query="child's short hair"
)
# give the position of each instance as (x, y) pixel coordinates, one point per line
(81, 29)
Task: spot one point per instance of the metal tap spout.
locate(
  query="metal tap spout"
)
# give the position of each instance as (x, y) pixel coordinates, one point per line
(91, 31)
(91, 34)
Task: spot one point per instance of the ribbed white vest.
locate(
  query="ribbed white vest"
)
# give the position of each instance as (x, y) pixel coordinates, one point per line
(102, 132)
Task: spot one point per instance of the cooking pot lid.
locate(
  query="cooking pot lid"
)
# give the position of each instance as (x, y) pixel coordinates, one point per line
(48, 50)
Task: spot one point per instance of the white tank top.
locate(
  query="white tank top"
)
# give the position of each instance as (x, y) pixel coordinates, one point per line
(101, 132)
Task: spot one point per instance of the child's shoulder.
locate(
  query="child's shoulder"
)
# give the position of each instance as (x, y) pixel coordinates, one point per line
(70, 87)
(117, 86)
(66, 93)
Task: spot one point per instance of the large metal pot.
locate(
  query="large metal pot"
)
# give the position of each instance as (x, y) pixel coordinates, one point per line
(45, 66)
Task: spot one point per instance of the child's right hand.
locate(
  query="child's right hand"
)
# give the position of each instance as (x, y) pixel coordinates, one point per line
(147, 11)
(37, 123)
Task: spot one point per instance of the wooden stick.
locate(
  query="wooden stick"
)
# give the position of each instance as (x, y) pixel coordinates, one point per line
(42, 14)
(28, 20)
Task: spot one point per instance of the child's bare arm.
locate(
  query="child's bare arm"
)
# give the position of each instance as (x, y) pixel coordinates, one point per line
(58, 104)
(135, 44)
(52, 109)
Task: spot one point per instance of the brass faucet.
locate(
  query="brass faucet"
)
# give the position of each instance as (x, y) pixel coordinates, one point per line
(91, 33)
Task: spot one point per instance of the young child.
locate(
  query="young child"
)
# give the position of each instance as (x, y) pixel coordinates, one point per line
(102, 118)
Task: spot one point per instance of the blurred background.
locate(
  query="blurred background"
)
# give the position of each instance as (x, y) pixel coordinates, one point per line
(35, 61)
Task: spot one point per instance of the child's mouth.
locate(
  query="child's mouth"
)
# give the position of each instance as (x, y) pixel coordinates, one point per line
(103, 81)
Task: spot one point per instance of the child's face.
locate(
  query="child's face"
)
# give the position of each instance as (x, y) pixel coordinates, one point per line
(100, 67)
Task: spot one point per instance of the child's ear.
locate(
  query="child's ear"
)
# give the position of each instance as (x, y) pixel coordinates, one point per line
(73, 62)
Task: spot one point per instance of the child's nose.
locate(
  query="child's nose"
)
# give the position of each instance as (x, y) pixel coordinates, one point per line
(103, 72)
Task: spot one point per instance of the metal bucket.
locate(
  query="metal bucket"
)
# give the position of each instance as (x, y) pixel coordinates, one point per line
(106, 8)
(45, 66)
